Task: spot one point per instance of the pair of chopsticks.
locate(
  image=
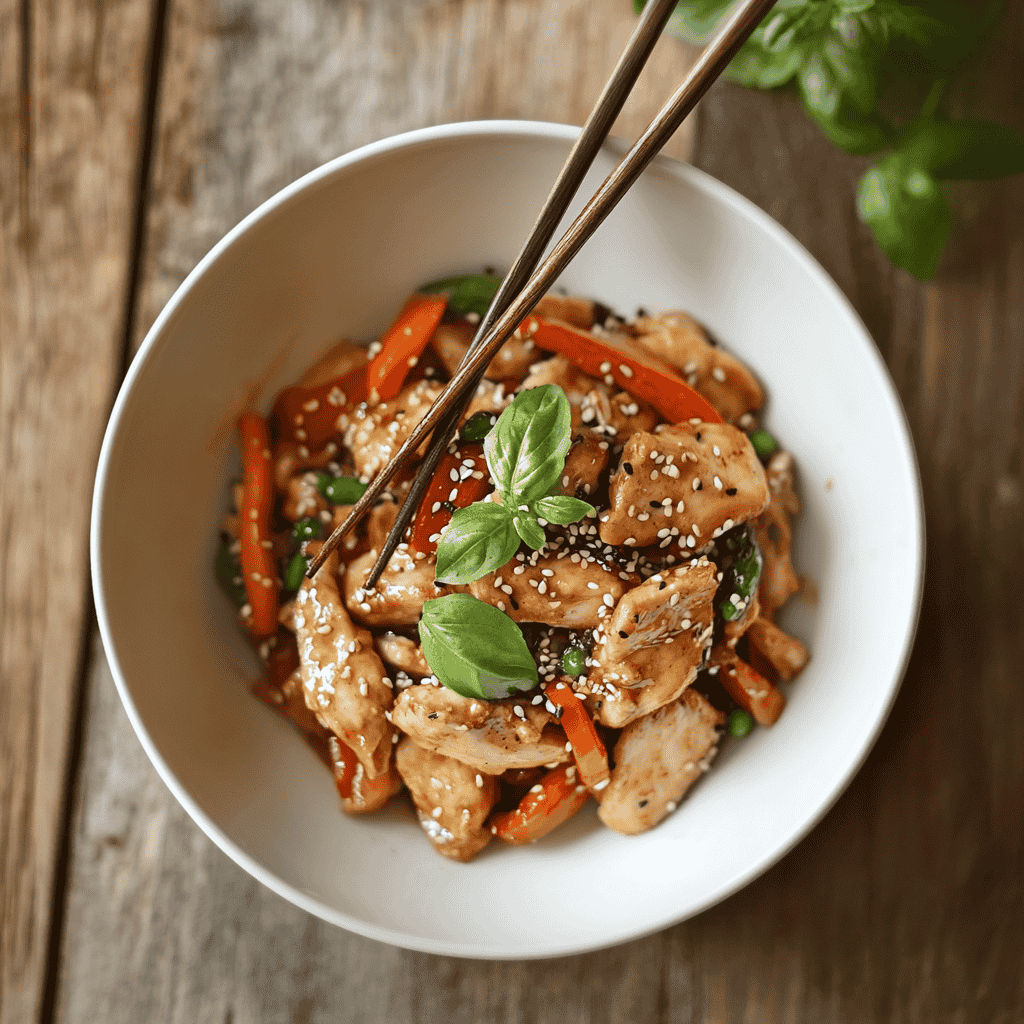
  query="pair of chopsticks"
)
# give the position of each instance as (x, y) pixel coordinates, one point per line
(519, 291)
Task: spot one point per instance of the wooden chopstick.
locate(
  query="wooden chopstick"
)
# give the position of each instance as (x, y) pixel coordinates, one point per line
(711, 63)
(646, 34)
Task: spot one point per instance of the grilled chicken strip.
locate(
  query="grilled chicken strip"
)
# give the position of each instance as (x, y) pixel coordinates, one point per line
(343, 678)
(652, 646)
(698, 479)
(373, 435)
(556, 591)
(487, 735)
(401, 652)
(657, 759)
(774, 535)
(452, 800)
(721, 378)
(398, 598)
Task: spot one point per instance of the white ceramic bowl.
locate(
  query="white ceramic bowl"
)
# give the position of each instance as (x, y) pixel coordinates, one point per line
(335, 254)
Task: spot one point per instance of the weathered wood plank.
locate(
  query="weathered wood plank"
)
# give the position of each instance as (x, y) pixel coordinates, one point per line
(71, 79)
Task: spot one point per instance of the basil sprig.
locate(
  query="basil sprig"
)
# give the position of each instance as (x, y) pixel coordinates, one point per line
(474, 649)
(525, 452)
(850, 58)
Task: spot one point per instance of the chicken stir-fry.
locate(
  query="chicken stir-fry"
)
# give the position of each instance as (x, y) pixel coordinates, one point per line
(584, 618)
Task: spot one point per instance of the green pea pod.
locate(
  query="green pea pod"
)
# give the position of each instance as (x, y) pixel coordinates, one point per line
(470, 293)
(228, 573)
(295, 571)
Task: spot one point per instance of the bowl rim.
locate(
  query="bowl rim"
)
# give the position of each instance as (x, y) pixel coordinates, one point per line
(544, 131)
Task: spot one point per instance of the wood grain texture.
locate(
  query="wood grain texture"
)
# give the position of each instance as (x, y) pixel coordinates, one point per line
(71, 76)
(903, 905)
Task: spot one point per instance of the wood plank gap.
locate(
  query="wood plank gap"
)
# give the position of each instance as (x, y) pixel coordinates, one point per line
(61, 872)
(143, 182)
(156, 47)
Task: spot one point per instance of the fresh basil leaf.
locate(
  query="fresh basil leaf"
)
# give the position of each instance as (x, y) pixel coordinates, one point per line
(756, 68)
(474, 649)
(479, 539)
(530, 530)
(825, 101)
(526, 449)
(562, 509)
(852, 49)
(907, 213)
(693, 21)
(468, 293)
(963, 149)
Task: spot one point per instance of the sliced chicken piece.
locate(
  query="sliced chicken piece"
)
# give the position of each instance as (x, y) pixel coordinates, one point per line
(774, 534)
(489, 397)
(379, 522)
(617, 415)
(402, 653)
(451, 343)
(698, 480)
(488, 735)
(542, 587)
(652, 646)
(373, 435)
(343, 677)
(558, 370)
(785, 653)
(340, 359)
(398, 598)
(574, 310)
(291, 458)
(452, 800)
(720, 377)
(657, 759)
(584, 464)
(302, 498)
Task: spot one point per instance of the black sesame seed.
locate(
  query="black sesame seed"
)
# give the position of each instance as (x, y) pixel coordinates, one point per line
(730, 491)
(662, 585)
(433, 714)
(628, 468)
(697, 435)
(515, 604)
(643, 803)
(655, 504)
(623, 634)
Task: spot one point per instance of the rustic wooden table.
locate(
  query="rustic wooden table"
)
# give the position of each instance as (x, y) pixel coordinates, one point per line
(135, 133)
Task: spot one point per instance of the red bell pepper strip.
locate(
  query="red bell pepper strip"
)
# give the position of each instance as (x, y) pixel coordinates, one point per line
(259, 571)
(309, 415)
(435, 509)
(555, 799)
(631, 370)
(759, 697)
(587, 747)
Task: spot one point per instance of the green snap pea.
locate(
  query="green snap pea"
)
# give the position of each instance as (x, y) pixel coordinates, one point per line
(763, 442)
(728, 611)
(340, 490)
(228, 572)
(740, 724)
(295, 571)
(468, 293)
(307, 529)
(573, 661)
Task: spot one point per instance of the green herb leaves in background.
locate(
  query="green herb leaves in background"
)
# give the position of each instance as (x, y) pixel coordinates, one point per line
(525, 452)
(843, 57)
(474, 649)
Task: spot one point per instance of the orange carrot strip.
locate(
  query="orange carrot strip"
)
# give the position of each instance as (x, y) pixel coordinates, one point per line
(557, 798)
(634, 371)
(344, 763)
(257, 555)
(310, 415)
(757, 696)
(587, 747)
(430, 522)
